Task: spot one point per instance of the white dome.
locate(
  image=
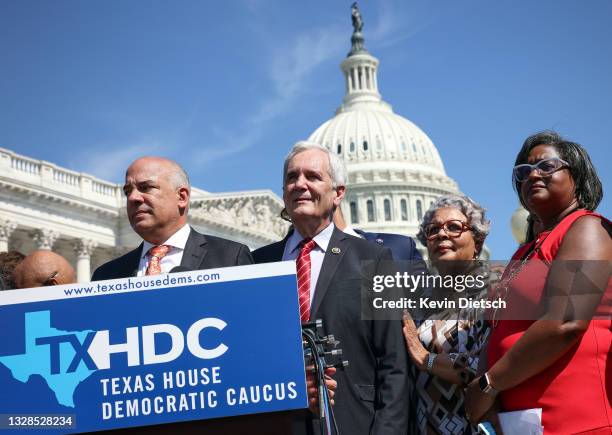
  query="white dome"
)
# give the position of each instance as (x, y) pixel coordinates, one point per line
(394, 170)
(381, 140)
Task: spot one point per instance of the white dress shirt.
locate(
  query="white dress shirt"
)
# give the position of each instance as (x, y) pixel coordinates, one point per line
(292, 251)
(174, 256)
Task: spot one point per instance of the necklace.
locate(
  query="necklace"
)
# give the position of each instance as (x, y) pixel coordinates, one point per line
(514, 268)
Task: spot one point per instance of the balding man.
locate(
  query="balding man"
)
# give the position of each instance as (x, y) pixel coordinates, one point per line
(157, 192)
(43, 268)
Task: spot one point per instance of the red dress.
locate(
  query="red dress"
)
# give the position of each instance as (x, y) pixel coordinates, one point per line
(575, 392)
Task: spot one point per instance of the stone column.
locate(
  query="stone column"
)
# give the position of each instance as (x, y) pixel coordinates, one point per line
(83, 249)
(375, 80)
(6, 229)
(45, 238)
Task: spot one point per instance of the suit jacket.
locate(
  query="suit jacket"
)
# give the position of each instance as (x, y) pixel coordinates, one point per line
(201, 252)
(402, 247)
(372, 396)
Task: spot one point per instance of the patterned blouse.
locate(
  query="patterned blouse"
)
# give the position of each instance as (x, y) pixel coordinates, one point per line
(462, 334)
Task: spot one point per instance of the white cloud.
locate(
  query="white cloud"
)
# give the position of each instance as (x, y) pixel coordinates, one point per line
(292, 67)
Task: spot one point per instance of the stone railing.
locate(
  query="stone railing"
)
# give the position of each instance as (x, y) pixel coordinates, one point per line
(50, 177)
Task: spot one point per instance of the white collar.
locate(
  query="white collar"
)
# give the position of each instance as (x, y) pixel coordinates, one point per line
(177, 240)
(322, 239)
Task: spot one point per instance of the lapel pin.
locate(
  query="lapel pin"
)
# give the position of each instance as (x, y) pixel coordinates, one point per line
(335, 250)
(380, 241)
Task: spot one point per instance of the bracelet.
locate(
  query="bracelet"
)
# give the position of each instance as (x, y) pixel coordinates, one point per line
(431, 357)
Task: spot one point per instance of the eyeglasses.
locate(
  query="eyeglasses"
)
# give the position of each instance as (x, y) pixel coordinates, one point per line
(48, 281)
(544, 167)
(452, 228)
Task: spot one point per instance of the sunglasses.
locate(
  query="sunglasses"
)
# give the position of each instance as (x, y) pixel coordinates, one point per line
(543, 167)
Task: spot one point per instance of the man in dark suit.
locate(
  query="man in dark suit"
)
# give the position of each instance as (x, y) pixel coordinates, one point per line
(157, 192)
(372, 391)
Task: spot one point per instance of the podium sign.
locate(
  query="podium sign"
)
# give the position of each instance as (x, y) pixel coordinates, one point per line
(151, 350)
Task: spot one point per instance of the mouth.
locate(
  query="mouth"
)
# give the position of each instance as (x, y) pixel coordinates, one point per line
(140, 213)
(537, 186)
(442, 249)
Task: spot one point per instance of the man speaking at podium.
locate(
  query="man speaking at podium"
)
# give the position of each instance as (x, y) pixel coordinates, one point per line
(157, 192)
(372, 396)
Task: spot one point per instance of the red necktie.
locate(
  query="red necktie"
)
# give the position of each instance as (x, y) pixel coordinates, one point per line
(303, 277)
(156, 253)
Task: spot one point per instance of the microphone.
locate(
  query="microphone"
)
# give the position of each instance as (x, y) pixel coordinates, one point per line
(322, 352)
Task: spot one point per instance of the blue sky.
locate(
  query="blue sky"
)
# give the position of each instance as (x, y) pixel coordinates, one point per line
(227, 87)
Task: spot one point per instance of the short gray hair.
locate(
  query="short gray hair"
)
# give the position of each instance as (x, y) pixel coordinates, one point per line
(178, 176)
(474, 212)
(337, 170)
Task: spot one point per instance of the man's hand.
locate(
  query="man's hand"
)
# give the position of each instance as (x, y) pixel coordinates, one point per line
(313, 391)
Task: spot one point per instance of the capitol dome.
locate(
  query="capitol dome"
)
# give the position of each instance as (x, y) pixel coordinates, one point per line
(394, 170)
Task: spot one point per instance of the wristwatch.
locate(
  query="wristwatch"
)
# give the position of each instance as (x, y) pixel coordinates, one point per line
(431, 357)
(485, 385)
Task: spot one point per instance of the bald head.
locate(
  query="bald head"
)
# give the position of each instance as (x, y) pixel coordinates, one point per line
(157, 192)
(174, 172)
(43, 268)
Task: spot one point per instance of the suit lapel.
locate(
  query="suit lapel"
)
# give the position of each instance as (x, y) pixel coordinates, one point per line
(328, 268)
(131, 266)
(195, 251)
(276, 250)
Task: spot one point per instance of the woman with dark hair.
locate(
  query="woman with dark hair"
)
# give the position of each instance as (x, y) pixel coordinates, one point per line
(558, 357)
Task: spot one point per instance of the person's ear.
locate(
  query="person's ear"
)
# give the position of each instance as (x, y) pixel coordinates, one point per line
(340, 191)
(183, 196)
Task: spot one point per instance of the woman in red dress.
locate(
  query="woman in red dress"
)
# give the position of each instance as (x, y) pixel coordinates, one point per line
(555, 352)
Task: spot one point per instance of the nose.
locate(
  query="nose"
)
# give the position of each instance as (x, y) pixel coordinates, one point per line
(300, 182)
(441, 234)
(534, 173)
(134, 197)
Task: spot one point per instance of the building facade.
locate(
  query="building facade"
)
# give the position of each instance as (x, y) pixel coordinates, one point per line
(83, 218)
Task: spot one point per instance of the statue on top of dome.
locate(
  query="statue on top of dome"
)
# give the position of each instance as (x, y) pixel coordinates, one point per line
(357, 37)
(356, 17)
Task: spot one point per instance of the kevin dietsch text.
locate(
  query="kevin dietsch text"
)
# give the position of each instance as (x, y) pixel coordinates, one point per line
(439, 304)
(459, 284)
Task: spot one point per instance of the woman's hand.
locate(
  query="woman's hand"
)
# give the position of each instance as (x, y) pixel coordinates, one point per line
(418, 353)
(476, 402)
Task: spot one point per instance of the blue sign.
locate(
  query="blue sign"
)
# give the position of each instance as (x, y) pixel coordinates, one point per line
(152, 350)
